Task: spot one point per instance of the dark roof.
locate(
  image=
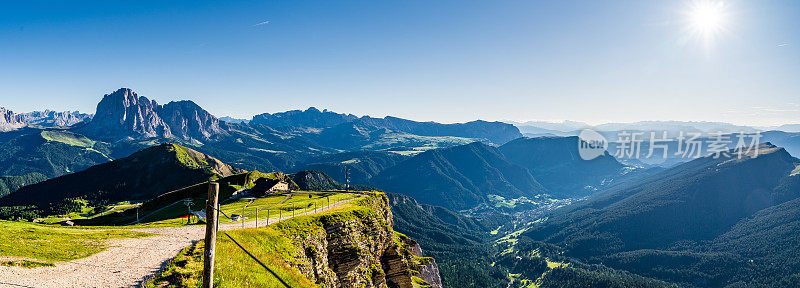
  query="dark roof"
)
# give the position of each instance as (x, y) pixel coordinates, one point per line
(264, 184)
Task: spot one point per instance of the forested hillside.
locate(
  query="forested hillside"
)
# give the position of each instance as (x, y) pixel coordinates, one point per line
(555, 163)
(700, 223)
(459, 177)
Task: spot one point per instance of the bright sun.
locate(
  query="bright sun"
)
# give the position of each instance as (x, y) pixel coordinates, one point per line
(707, 19)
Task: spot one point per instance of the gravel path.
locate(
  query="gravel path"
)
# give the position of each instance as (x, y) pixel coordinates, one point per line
(126, 263)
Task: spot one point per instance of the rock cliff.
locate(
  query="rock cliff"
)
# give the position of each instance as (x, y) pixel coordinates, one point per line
(359, 249)
(10, 121)
(123, 114)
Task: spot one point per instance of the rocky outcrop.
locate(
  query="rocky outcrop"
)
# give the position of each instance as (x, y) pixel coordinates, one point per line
(188, 120)
(428, 271)
(123, 114)
(48, 118)
(10, 121)
(360, 249)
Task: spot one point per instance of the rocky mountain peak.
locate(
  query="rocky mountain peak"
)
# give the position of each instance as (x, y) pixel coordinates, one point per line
(123, 113)
(10, 121)
(50, 118)
(189, 120)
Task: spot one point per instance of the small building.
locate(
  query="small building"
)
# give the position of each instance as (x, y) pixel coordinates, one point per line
(265, 186)
(66, 223)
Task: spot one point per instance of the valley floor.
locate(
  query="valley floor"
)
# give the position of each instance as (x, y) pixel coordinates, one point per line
(127, 262)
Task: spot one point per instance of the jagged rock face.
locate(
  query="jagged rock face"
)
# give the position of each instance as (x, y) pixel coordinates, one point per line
(429, 271)
(188, 120)
(124, 114)
(48, 118)
(359, 253)
(10, 121)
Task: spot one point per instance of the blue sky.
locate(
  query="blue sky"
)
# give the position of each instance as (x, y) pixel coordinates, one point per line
(447, 61)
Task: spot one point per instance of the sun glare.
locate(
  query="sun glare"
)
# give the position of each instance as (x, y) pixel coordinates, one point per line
(707, 19)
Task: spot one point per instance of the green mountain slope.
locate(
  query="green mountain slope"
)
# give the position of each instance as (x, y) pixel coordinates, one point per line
(459, 177)
(50, 152)
(140, 176)
(707, 223)
(695, 201)
(10, 184)
(555, 163)
(362, 165)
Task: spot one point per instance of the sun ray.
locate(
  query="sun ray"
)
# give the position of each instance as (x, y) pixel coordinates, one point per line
(707, 20)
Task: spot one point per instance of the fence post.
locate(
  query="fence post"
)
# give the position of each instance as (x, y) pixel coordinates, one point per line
(211, 235)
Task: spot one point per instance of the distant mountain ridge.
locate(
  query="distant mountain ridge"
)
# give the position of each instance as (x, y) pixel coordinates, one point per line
(790, 128)
(670, 126)
(496, 132)
(125, 114)
(228, 119)
(49, 118)
(10, 121)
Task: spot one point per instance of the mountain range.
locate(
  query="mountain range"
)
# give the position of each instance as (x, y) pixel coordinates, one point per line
(569, 127)
(674, 224)
(494, 208)
(10, 121)
(496, 132)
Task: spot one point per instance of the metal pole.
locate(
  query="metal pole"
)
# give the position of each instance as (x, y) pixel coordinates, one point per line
(211, 235)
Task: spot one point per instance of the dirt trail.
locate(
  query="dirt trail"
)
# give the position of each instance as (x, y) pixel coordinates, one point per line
(127, 262)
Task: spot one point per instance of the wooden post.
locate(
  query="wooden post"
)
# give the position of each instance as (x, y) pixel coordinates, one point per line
(211, 235)
(256, 217)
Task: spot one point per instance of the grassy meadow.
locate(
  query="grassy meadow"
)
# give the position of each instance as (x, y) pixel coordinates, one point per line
(46, 243)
